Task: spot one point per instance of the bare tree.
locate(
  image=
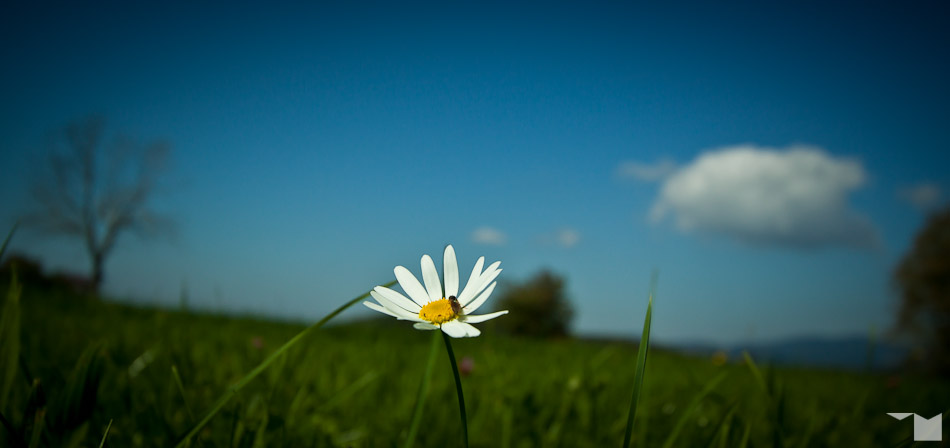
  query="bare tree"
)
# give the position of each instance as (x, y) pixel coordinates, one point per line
(97, 189)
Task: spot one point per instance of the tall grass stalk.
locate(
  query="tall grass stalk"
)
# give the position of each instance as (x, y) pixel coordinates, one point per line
(756, 373)
(423, 391)
(745, 435)
(38, 418)
(344, 394)
(181, 390)
(6, 241)
(641, 365)
(691, 408)
(9, 338)
(458, 387)
(14, 437)
(233, 390)
(9, 330)
(722, 431)
(105, 435)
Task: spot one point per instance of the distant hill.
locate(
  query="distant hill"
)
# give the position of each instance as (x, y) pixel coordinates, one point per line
(847, 352)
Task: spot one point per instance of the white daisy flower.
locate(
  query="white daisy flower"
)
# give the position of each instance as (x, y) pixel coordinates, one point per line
(432, 308)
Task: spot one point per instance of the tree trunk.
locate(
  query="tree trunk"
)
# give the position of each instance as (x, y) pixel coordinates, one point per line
(97, 259)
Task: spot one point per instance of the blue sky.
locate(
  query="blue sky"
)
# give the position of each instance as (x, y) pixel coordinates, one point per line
(316, 147)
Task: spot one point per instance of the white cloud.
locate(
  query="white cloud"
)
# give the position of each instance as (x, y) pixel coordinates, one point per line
(792, 197)
(646, 172)
(489, 235)
(923, 196)
(564, 237)
(568, 237)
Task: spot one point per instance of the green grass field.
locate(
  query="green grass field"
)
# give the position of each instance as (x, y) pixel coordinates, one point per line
(355, 385)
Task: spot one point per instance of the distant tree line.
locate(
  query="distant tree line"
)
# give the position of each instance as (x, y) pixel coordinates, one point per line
(31, 272)
(923, 278)
(538, 307)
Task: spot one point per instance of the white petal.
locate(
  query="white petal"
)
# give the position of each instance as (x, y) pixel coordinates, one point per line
(431, 277)
(474, 287)
(424, 326)
(398, 299)
(455, 329)
(381, 309)
(476, 273)
(481, 283)
(492, 267)
(400, 313)
(471, 331)
(458, 329)
(412, 286)
(483, 317)
(471, 307)
(450, 269)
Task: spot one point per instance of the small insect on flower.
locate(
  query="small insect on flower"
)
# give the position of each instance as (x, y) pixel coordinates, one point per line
(431, 307)
(456, 306)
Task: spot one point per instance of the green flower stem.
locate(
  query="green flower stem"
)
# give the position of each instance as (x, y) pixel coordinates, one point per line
(423, 391)
(233, 390)
(458, 386)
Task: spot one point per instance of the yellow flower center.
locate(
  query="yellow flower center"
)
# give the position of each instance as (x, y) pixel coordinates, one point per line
(438, 312)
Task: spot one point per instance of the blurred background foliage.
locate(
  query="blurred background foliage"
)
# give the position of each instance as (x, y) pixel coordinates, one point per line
(923, 278)
(538, 307)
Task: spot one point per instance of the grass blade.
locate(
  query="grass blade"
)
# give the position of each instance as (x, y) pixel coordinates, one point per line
(693, 405)
(778, 428)
(722, 430)
(76, 438)
(10, 338)
(38, 418)
(106, 434)
(567, 402)
(13, 435)
(218, 405)
(261, 433)
(3, 248)
(181, 390)
(423, 391)
(745, 435)
(348, 391)
(806, 437)
(76, 402)
(507, 423)
(641, 366)
(756, 373)
(458, 387)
